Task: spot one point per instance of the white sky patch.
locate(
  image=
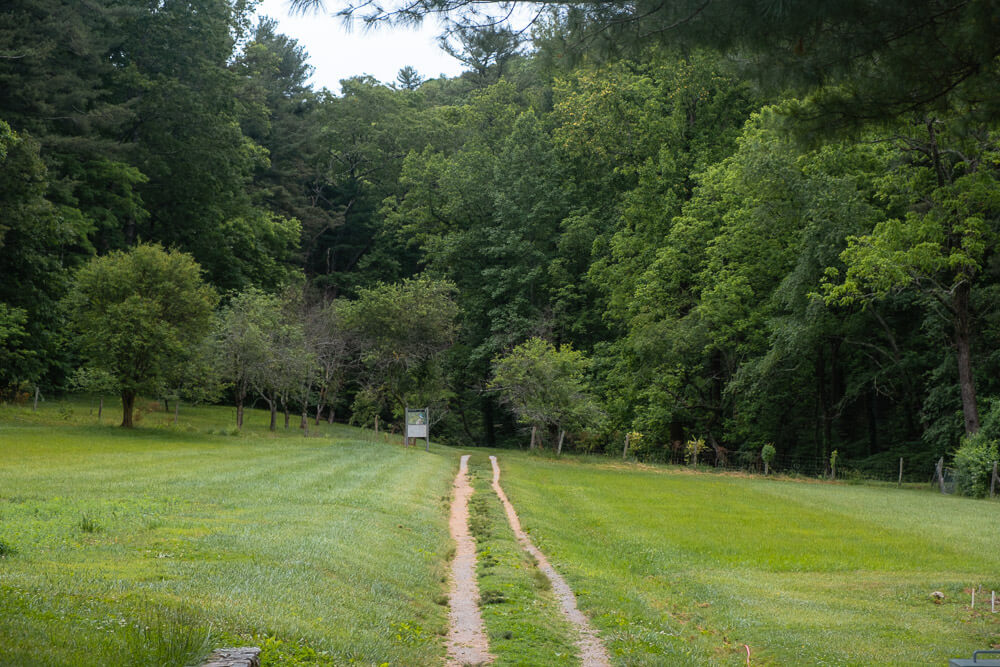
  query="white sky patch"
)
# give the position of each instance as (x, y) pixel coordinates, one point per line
(337, 53)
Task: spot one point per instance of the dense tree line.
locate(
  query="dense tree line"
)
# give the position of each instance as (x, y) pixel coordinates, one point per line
(705, 255)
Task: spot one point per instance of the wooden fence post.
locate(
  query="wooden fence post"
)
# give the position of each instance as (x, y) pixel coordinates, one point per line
(993, 480)
(625, 451)
(34, 408)
(900, 482)
(940, 474)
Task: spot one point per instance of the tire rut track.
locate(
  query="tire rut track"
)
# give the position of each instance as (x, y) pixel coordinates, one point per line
(467, 642)
(592, 650)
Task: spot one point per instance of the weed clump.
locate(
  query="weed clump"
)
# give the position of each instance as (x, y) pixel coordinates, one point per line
(89, 525)
(166, 636)
(490, 596)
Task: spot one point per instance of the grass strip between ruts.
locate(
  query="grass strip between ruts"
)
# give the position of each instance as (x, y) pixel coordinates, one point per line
(522, 616)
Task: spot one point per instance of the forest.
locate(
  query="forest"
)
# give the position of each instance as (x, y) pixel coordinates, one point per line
(766, 227)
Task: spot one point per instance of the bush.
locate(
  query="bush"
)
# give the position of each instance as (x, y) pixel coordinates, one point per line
(974, 464)
(767, 454)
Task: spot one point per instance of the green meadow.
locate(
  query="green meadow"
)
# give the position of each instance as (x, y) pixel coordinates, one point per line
(152, 546)
(682, 568)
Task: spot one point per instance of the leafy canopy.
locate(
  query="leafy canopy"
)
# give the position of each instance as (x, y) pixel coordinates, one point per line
(139, 315)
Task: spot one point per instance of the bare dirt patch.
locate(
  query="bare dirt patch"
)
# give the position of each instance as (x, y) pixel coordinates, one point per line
(467, 642)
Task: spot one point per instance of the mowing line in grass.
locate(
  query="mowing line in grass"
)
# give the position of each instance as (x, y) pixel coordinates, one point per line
(121, 547)
(592, 651)
(677, 568)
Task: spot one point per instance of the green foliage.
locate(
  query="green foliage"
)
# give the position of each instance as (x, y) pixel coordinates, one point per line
(139, 315)
(403, 329)
(167, 636)
(546, 386)
(767, 453)
(974, 462)
(693, 449)
(724, 277)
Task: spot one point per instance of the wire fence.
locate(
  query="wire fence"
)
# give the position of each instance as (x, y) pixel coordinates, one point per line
(917, 469)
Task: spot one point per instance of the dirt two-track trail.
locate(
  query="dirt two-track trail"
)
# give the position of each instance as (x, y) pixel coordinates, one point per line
(467, 642)
(592, 651)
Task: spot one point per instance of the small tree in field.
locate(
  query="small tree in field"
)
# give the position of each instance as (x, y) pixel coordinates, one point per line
(402, 331)
(546, 387)
(94, 380)
(767, 454)
(138, 316)
(242, 342)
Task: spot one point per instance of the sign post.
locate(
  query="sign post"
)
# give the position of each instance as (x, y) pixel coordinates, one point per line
(417, 426)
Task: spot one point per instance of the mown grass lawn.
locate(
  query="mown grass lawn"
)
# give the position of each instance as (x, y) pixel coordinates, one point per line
(135, 547)
(681, 568)
(151, 546)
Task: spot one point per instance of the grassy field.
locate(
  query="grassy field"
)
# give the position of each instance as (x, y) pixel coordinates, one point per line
(149, 547)
(681, 568)
(152, 546)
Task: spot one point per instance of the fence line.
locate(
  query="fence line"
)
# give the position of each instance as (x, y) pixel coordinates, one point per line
(897, 470)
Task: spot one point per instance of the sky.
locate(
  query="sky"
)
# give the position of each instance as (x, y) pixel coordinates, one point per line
(337, 53)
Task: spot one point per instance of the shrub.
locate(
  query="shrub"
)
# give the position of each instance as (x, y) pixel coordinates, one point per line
(974, 464)
(767, 453)
(693, 449)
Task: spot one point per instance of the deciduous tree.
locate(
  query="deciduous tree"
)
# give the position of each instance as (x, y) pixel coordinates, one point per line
(138, 315)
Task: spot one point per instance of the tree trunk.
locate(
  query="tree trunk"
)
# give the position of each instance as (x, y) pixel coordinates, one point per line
(239, 413)
(34, 407)
(329, 415)
(305, 419)
(128, 404)
(532, 445)
(625, 450)
(823, 397)
(288, 415)
(319, 412)
(872, 400)
(100, 409)
(562, 434)
(489, 424)
(963, 348)
(273, 404)
(177, 409)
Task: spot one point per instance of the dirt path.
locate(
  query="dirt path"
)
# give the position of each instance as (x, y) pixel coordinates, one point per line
(467, 643)
(592, 651)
